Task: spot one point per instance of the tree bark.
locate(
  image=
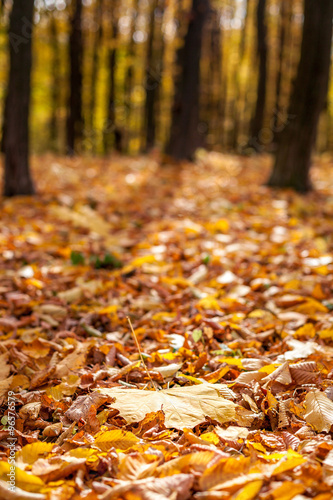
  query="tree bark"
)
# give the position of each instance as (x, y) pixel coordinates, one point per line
(154, 61)
(56, 81)
(17, 177)
(258, 118)
(282, 40)
(293, 158)
(94, 68)
(184, 134)
(237, 82)
(75, 117)
(129, 75)
(112, 136)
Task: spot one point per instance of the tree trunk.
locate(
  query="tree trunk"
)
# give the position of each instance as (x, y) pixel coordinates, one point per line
(293, 158)
(94, 68)
(154, 61)
(237, 80)
(75, 117)
(129, 75)
(258, 118)
(56, 81)
(184, 134)
(17, 178)
(112, 134)
(282, 39)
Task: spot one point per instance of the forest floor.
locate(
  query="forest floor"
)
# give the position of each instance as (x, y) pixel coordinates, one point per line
(228, 286)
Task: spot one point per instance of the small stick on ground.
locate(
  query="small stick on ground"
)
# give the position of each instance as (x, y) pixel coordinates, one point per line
(140, 353)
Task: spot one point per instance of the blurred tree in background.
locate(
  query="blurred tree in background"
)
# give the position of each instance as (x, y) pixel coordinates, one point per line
(17, 102)
(134, 75)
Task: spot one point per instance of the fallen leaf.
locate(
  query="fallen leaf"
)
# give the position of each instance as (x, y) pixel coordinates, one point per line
(182, 406)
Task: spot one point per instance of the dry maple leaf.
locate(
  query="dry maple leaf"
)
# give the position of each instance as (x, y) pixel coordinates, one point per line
(182, 406)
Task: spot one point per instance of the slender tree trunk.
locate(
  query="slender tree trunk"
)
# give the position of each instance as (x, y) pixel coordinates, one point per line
(56, 81)
(237, 84)
(17, 179)
(75, 117)
(112, 134)
(129, 75)
(212, 106)
(293, 159)
(258, 118)
(282, 39)
(184, 135)
(94, 68)
(154, 59)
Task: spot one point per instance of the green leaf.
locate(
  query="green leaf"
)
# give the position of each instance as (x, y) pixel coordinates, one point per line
(108, 261)
(196, 335)
(206, 259)
(4, 420)
(77, 258)
(112, 261)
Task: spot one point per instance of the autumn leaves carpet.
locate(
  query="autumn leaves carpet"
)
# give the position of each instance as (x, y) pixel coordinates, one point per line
(229, 289)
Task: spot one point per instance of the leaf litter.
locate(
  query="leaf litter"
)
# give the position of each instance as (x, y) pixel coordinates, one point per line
(229, 289)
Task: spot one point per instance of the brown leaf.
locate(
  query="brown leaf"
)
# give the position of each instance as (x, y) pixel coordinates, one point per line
(167, 488)
(81, 407)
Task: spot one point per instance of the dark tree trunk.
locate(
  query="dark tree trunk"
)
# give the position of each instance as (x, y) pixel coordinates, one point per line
(237, 84)
(94, 68)
(211, 109)
(17, 179)
(75, 117)
(56, 81)
(184, 135)
(258, 118)
(112, 134)
(153, 76)
(282, 39)
(293, 159)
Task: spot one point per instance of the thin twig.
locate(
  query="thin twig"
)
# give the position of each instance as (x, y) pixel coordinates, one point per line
(140, 353)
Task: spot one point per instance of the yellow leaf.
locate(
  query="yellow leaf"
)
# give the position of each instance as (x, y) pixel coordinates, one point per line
(164, 316)
(82, 453)
(23, 479)
(220, 226)
(289, 462)
(232, 361)
(210, 437)
(209, 302)
(317, 292)
(197, 462)
(311, 306)
(250, 491)
(257, 447)
(192, 379)
(287, 491)
(121, 440)
(308, 330)
(269, 368)
(112, 309)
(146, 259)
(217, 375)
(31, 452)
(326, 334)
